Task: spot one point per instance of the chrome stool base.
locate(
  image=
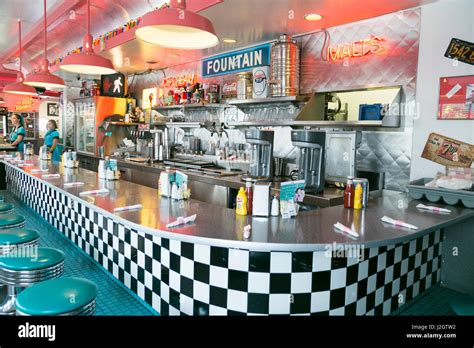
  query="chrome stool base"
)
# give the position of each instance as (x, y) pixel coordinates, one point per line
(8, 307)
(16, 280)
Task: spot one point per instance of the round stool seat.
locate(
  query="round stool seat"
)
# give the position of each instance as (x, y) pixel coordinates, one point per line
(463, 305)
(25, 261)
(18, 236)
(61, 296)
(11, 220)
(6, 207)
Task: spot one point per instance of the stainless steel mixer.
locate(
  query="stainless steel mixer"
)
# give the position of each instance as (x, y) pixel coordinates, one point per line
(261, 162)
(311, 146)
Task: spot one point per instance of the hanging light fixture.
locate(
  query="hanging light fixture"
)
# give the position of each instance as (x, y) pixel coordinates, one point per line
(44, 78)
(176, 27)
(2, 101)
(18, 87)
(87, 62)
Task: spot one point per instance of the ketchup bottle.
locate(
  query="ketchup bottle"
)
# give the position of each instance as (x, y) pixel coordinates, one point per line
(249, 192)
(349, 193)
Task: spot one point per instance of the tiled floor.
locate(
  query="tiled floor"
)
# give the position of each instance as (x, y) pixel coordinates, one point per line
(434, 301)
(113, 298)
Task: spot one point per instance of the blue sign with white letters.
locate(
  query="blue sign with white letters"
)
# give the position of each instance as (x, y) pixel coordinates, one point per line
(236, 61)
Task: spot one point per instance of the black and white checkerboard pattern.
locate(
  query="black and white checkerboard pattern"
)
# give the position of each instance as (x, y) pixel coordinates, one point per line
(178, 277)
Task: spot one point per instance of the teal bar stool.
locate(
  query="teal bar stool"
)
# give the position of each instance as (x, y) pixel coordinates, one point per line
(11, 221)
(6, 208)
(463, 305)
(12, 239)
(24, 267)
(62, 296)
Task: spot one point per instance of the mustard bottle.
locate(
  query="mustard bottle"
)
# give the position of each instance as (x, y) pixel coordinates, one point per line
(358, 197)
(241, 202)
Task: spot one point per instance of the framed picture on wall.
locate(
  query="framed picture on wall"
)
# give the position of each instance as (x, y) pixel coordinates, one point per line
(53, 109)
(456, 98)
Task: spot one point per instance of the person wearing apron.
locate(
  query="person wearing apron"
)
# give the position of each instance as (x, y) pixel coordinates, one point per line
(51, 140)
(18, 133)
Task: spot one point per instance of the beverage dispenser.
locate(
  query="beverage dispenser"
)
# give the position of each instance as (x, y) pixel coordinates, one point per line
(311, 146)
(261, 161)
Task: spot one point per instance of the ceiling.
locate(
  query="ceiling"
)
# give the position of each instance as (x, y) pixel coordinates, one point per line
(247, 21)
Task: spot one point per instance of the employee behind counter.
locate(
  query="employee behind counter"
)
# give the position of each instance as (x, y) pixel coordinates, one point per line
(18, 133)
(51, 140)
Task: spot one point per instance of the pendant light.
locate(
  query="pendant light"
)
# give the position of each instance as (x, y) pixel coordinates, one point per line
(2, 101)
(176, 27)
(18, 87)
(44, 78)
(87, 62)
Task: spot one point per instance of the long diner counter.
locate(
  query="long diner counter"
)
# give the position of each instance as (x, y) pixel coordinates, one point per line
(310, 231)
(208, 268)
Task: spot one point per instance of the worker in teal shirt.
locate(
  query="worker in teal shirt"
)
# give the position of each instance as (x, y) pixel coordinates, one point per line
(18, 133)
(51, 140)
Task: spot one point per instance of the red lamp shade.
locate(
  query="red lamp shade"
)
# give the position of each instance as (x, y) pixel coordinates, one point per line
(43, 78)
(177, 28)
(19, 88)
(87, 62)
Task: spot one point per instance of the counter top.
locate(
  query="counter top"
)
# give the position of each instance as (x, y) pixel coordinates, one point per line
(310, 231)
(330, 197)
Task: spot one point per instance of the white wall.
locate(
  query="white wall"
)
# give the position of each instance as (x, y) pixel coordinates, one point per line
(440, 22)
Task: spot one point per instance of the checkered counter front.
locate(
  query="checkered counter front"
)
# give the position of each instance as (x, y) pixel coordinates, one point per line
(177, 277)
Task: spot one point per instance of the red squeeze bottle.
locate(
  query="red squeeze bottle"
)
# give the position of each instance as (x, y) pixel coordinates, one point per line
(249, 193)
(349, 193)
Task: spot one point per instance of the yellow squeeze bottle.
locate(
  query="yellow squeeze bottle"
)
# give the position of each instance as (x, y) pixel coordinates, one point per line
(358, 197)
(241, 202)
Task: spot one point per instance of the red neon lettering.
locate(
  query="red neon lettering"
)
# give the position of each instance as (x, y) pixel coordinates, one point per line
(376, 46)
(355, 53)
(367, 46)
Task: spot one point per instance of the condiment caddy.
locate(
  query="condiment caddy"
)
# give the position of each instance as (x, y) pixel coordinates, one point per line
(108, 169)
(173, 184)
(69, 159)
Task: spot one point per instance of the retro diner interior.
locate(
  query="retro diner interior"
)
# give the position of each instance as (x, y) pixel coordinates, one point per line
(212, 157)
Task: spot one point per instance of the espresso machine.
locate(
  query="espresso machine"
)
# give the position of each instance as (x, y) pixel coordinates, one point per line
(261, 161)
(311, 146)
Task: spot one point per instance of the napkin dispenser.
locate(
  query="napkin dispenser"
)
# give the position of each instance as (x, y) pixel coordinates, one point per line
(261, 200)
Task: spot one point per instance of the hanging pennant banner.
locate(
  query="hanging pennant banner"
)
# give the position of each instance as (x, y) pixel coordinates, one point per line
(233, 62)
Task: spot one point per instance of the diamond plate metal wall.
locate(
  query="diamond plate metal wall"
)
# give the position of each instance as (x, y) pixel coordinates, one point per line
(388, 152)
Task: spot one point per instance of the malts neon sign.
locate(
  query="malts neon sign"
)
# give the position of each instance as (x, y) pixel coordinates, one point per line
(361, 48)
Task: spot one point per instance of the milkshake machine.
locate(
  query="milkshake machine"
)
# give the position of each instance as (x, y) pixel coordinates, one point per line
(261, 162)
(311, 146)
